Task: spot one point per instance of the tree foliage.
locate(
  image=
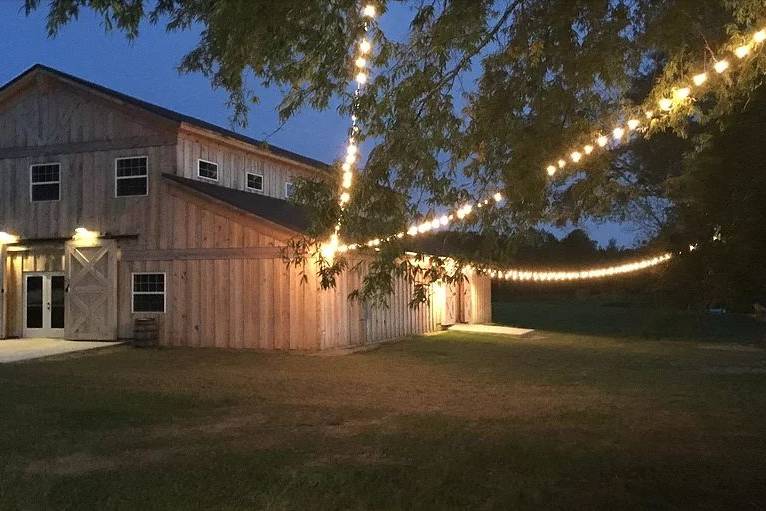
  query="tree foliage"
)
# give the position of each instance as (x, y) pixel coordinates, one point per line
(478, 94)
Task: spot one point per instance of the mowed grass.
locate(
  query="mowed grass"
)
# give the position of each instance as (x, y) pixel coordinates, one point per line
(452, 421)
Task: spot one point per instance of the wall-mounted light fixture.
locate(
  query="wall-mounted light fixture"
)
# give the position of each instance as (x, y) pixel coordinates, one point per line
(83, 235)
(8, 239)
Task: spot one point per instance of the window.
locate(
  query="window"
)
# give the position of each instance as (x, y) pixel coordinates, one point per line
(45, 183)
(254, 182)
(289, 189)
(207, 169)
(148, 292)
(131, 176)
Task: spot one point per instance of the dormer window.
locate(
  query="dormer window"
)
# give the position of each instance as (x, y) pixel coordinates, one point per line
(254, 182)
(207, 170)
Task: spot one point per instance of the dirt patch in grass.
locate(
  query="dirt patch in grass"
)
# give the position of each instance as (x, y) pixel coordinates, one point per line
(83, 463)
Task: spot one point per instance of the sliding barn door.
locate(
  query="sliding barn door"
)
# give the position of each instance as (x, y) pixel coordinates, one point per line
(451, 301)
(3, 294)
(466, 307)
(91, 299)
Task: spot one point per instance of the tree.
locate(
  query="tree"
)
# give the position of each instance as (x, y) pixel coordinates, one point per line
(479, 93)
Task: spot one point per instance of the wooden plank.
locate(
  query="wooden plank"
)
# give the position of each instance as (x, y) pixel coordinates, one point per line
(201, 254)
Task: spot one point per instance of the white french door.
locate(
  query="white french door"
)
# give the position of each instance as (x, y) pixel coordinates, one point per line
(44, 304)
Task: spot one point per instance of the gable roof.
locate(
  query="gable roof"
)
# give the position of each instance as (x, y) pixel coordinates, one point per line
(279, 211)
(171, 115)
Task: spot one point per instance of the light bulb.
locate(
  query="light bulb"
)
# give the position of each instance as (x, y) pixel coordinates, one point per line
(602, 141)
(649, 114)
(498, 197)
(666, 104)
(365, 46)
(551, 170)
(361, 78)
(682, 93)
(369, 10)
(576, 156)
(742, 52)
(562, 164)
(633, 124)
(759, 36)
(361, 62)
(618, 133)
(700, 79)
(588, 149)
(344, 197)
(721, 66)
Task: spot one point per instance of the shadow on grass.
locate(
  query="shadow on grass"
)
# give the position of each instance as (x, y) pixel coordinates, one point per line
(593, 318)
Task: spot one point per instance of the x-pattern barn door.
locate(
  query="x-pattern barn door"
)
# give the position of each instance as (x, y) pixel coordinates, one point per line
(91, 300)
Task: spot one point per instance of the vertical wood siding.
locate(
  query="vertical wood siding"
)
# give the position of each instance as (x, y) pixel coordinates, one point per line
(234, 163)
(235, 299)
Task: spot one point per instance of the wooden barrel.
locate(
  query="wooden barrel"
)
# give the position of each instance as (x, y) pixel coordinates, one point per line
(145, 331)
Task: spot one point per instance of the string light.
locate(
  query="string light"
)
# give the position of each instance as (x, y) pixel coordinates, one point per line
(699, 79)
(463, 212)
(721, 66)
(352, 150)
(679, 95)
(369, 11)
(526, 275)
(682, 93)
(742, 52)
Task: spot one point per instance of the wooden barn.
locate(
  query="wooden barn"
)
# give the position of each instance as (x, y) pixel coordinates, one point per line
(113, 209)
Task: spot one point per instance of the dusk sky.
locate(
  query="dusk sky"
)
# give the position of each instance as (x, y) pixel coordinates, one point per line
(146, 68)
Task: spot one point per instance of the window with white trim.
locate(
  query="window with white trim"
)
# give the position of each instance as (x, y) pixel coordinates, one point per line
(131, 176)
(289, 189)
(254, 182)
(45, 182)
(207, 169)
(148, 292)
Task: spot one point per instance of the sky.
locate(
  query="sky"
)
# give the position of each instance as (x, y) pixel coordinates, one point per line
(147, 68)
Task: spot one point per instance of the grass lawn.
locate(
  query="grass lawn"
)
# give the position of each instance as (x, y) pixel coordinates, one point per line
(443, 422)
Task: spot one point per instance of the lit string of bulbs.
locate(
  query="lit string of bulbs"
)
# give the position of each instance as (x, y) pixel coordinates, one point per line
(666, 104)
(364, 48)
(679, 96)
(521, 275)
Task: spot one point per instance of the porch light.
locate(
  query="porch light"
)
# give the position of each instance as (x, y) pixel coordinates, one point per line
(84, 235)
(7, 239)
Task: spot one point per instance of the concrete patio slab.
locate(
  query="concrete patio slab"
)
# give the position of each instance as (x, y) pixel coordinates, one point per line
(15, 350)
(491, 329)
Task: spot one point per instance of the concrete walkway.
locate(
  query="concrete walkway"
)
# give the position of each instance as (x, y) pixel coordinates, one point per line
(490, 329)
(14, 350)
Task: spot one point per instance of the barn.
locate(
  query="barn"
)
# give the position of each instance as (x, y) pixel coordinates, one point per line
(113, 209)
